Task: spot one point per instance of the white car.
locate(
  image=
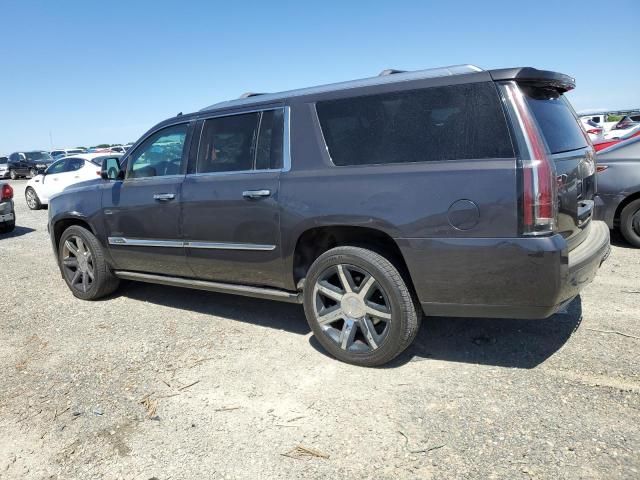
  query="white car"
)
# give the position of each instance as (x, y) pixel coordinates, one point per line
(65, 152)
(61, 174)
(595, 131)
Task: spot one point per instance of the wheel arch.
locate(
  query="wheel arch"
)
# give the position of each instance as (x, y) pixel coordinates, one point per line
(625, 201)
(61, 224)
(314, 241)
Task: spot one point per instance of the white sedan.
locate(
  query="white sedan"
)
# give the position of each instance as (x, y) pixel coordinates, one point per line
(61, 174)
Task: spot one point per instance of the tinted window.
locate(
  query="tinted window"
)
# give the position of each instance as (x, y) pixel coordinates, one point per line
(3, 160)
(160, 154)
(56, 167)
(74, 164)
(270, 138)
(439, 123)
(227, 143)
(556, 119)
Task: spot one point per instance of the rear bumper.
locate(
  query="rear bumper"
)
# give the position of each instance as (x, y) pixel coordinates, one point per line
(502, 277)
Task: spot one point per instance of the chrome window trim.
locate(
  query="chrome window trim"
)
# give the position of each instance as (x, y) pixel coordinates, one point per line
(142, 242)
(286, 142)
(157, 177)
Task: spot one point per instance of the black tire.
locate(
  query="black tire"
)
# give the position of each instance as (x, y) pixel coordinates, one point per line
(7, 227)
(34, 203)
(33, 172)
(13, 175)
(405, 313)
(104, 281)
(630, 223)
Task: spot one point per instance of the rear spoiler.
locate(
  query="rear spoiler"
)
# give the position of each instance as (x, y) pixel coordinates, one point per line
(558, 81)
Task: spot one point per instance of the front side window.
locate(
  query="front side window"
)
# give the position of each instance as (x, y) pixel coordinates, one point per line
(242, 142)
(56, 167)
(159, 155)
(430, 124)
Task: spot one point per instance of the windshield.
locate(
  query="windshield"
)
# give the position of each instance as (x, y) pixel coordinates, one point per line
(34, 156)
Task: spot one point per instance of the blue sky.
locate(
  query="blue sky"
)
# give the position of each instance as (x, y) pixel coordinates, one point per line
(93, 72)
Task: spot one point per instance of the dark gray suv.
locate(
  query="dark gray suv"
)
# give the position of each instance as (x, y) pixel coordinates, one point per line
(453, 191)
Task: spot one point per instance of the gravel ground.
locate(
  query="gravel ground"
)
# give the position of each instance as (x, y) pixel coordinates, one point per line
(161, 382)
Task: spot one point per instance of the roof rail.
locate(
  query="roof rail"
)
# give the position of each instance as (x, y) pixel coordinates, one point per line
(251, 94)
(390, 71)
(386, 76)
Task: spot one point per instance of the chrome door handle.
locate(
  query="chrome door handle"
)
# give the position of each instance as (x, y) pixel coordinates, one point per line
(164, 197)
(256, 193)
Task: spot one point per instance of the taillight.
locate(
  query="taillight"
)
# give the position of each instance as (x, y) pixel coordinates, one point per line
(601, 168)
(7, 192)
(539, 188)
(595, 131)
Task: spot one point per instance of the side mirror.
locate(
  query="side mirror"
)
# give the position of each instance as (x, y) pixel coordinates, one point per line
(111, 169)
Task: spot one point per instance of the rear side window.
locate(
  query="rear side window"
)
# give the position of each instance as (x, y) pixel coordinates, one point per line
(269, 147)
(74, 164)
(432, 124)
(555, 118)
(242, 142)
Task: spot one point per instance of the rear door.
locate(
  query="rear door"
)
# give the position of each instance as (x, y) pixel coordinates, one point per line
(573, 157)
(142, 214)
(231, 220)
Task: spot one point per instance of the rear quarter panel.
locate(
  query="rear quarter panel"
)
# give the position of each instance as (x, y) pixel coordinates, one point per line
(405, 201)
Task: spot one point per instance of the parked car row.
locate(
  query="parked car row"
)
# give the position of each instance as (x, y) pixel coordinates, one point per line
(61, 174)
(604, 133)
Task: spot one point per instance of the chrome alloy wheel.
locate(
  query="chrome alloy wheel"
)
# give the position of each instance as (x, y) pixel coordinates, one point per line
(77, 263)
(32, 201)
(352, 308)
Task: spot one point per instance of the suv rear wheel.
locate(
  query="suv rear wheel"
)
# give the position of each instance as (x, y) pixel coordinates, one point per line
(359, 306)
(630, 223)
(12, 174)
(83, 265)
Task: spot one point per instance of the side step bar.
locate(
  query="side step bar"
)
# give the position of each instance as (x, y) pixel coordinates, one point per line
(247, 291)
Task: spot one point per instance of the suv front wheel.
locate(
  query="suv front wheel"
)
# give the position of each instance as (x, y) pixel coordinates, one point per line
(359, 307)
(83, 265)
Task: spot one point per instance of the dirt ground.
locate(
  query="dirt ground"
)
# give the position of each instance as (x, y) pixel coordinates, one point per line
(165, 383)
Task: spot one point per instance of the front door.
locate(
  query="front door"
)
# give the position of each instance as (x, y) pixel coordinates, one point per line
(231, 220)
(142, 212)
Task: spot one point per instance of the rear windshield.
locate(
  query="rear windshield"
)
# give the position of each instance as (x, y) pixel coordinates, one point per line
(431, 124)
(3, 160)
(556, 119)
